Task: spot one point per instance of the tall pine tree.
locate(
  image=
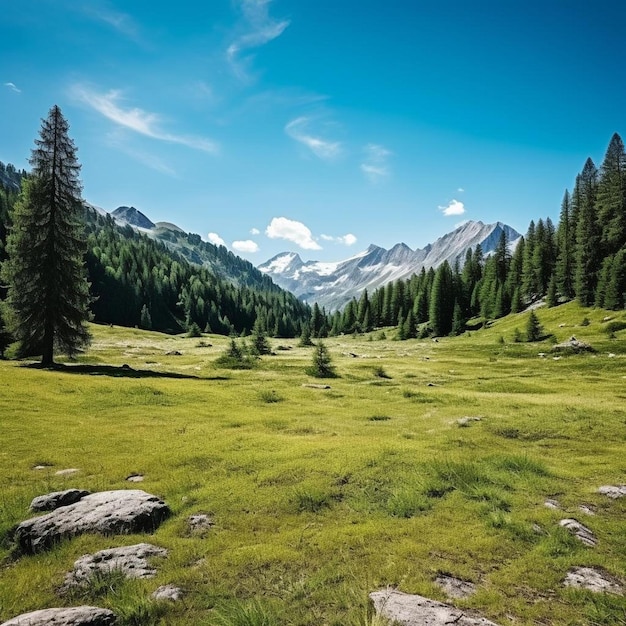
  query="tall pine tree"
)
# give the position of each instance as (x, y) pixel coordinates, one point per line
(48, 295)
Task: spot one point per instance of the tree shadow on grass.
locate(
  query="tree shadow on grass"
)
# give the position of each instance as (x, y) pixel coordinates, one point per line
(122, 371)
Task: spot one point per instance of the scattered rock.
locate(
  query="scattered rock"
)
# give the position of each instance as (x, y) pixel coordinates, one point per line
(73, 616)
(466, 421)
(562, 325)
(132, 561)
(413, 610)
(552, 504)
(611, 355)
(42, 466)
(315, 386)
(432, 385)
(56, 499)
(174, 353)
(586, 509)
(200, 522)
(106, 512)
(608, 318)
(67, 472)
(168, 592)
(592, 579)
(135, 478)
(581, 532)
(613, 491)
(455, 587)
(572, 345)
(541, 355)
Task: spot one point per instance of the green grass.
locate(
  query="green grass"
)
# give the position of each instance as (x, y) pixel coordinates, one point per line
(319, 496)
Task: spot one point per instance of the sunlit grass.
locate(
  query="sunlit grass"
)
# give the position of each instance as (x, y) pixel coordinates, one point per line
(319, 496)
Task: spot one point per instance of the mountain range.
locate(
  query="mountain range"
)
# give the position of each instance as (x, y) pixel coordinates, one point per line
(332, 285)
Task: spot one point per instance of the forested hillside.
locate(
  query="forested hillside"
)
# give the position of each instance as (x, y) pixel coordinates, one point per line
(584, 258)
(137, 281)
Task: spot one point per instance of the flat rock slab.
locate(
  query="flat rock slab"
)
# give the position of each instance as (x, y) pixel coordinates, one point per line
(106, 512)
(582, 533)
(592, 579)
(73, 616)
(200, 522)
(56, 499)
(414, 610)
(132, 561)
(613, 491)
(455, 587)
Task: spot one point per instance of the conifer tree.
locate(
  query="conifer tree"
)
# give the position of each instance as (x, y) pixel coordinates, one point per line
(322, 366)
(588, 257)
(48, 295)
(565, 241)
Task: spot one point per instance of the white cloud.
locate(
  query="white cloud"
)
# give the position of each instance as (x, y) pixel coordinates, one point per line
(461, 190)
(245, 246)
(346, 240)
(121, 22)
(215, 239)
(375, 165)
(12, 87)
(322, 148)
(262, 30)
(255, 231)
(455, 207)
(138, 120)
(296, 232)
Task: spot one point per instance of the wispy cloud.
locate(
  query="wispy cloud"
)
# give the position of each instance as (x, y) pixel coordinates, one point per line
(215, 239)
(322, 148)
(291, 230)
(105, 13)
(149, 124)
(461, 190)
(346, 240)
(260, 29)
(248, 246)
(375, 165)
(149, 160)
(255, 231)
(454, 207)
(12, 87)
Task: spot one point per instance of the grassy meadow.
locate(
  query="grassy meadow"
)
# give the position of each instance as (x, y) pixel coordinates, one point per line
(319, 496)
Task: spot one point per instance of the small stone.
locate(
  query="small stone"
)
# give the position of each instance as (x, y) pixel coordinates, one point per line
(168, 592)
(67, 472)
(581, 532)
(455, 587)
(174, 353)
(465, 421)
(316, 386)
(135, 478)
(56, 499)
(551, 504)
(200, 522)
(41, 467)
(587, 510)
(613, 491)
(73, 616)
(592, 579)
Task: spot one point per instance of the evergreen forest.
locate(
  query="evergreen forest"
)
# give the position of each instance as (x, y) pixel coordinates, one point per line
(139, 281)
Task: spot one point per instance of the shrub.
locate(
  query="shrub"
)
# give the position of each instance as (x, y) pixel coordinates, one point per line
(379, 372)
(194, 331)
(234, 357)
(270, 397)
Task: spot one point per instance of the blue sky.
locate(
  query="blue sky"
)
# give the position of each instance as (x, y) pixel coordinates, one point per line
(319, 126)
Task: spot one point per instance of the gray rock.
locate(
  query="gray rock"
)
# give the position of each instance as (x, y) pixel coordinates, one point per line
(572, 345)
(131, 561)
(200, 522)
(73, 616)
(551, 504)
(106, 512)
(168, 592)
(586, 509)
(414, 610)
(56, 499)
(613, 491)
(135, 478)
(583, 533)
(316, 386)
(592, 579)
(455, 587)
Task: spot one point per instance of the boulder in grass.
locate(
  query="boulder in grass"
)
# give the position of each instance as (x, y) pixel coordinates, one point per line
(56, 499)
(572, 346)
(582, 533)
(592, 579)
(413, 610)
(130, 561)
(107, 512)
(72, 616)
(613, 491)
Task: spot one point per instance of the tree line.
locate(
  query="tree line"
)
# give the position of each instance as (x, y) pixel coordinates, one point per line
(583, 258)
